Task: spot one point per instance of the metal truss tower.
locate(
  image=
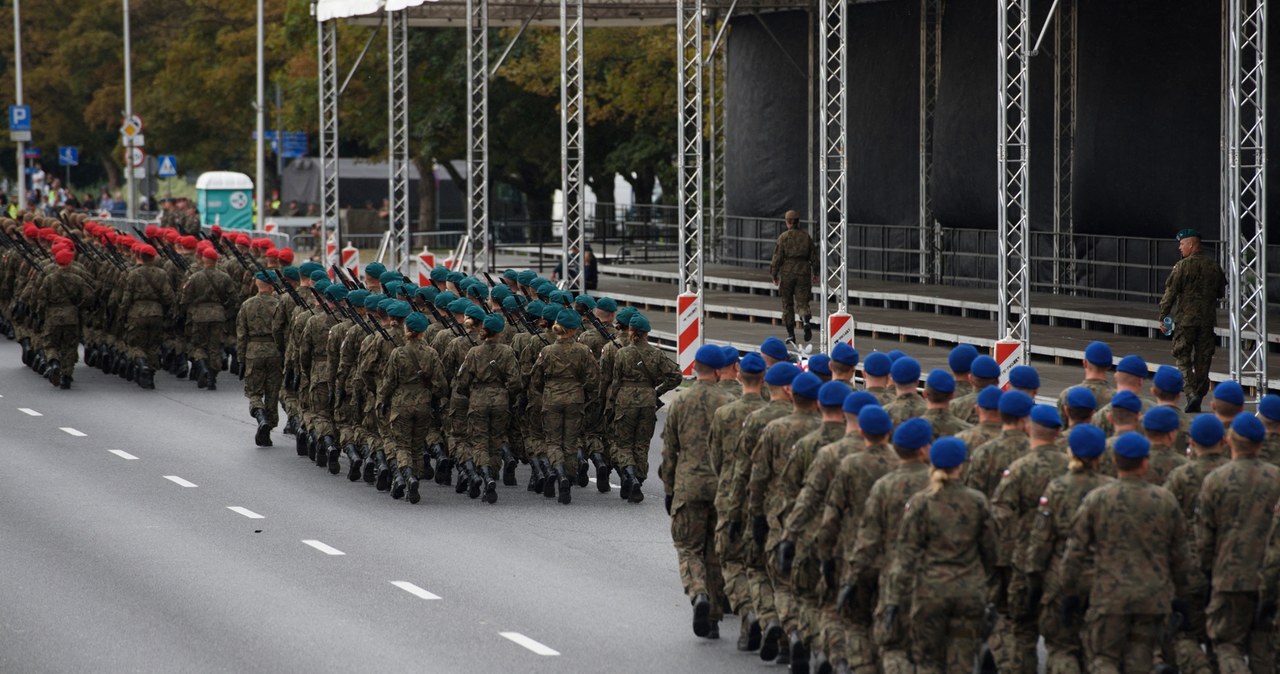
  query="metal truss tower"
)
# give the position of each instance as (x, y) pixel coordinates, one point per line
(930, 245)
(477, 134)
(572, 145)
(1013, 159)
(833, 161)
(689, 81)
(327, 43)
(398, 137)
(1064, 142)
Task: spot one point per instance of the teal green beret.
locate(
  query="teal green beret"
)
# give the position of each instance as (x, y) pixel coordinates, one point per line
(500, 293)
(416, 322)
(1188, 234)
(375, 269)
(640, 323)
(371, 302)
(586, 301)
(439, 274)
(445, 298)
(399, 309)
(427, 293)
(387, 277)
(318, 275)
(391, 289)
(357, 297)
(494, 323)
(509, 303)
(308, 268)
(459, 306)
(336, 292)
(384, 304)
(569, 319)
(474, 312)
(607, 304)
(322, 284)
(535, 308)
(266, 276)
(291, 273)
(550, 312)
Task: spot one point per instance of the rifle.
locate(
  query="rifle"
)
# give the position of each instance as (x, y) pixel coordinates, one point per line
(89, 251)
(173, 256)
(22, 252)
(281, 286)
(586, 313)
(321, 301)
(446, 319)
(351, 282)
(377, 328)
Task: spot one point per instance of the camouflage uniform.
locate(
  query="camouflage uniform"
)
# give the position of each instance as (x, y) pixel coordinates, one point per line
(209, 297)
(60, 298)
(147, 297)
(1195, 285)
(313, 357)
(965, 406)
(1101, 390)
(413, 386)
(1184, 483)
(873, 555)
(690, 483)
(568, 378)
(641, 375)
(260, 342)
(1163, 461)
(906, 406)
(1236, 503)
(945, 423)
(794, 264)
(980, 434)
(1135, 537)
(490, 379)
(946, 552)
(1271, 449)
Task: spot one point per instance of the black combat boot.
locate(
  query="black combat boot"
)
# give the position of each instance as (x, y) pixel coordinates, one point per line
(771, 641)
(411, 490)
(291, 425)
(464, 478)
(322, 449)
(808, 334)
(383, 481)
(444, 471)
(310, 439)
(27, 354)
(475, 481)
(66, 382)
(749, 632)
(211, 376)
(784, 653)
(714, 632)
(353, 461)
(398, 484)
(508, 467)
(91, 355)
(799, 654)
(602, 473)
(637, 494)
(370, 467)
(300, 441)
(262, 437)
(147, 381)
(40, 364)
(199, 372)
(819, 664)
(490, 485)
(551, 479)
(1193, 403)
(701, 615)
(53, 372)
(791, 335)
(181, 368)
(335, 466)
(564, 485)
(427, 471)
(584, 478)
(534, 473)
(628, 481)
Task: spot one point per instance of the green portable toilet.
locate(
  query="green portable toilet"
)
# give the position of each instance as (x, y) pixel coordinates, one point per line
(225, 198)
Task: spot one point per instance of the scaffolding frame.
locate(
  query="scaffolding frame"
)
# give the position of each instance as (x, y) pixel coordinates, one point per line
(930, 244)
(689, 84)
(833, 161)
(398, 138)
(478, 135)
(1013, 151)
(327, 48)
(573, 182)
(717, 72)
(1064, 144)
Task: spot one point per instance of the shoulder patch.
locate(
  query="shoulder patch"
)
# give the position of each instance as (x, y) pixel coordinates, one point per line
(1044, 501)
(1005, 473)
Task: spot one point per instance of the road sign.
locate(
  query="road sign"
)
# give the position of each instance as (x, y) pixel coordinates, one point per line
(19, 118)
(294, 144)
(31, 153)
(138, 140)
(168, 167)
(135, 156)
(68, 155)
(132, 126)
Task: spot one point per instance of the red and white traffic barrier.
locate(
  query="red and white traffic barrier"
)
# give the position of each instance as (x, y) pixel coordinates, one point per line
(426, 262)
(840, 328)
(1008, 353)
(688, 330)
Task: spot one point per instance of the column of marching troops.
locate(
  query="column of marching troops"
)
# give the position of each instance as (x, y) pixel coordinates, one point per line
(473, 374)
(880, 528)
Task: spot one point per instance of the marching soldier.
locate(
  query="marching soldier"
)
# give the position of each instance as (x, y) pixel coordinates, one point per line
(641, 375)
(260, 326)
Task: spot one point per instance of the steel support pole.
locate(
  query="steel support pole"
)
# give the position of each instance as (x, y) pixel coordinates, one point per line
(833, 161)
(398, 137)
(327, 44)
(478, 133)
(1013, 159)
(260, 124)
(21, 162)
(930, 71)
(717, 75)
(1064, 142)
(572, 146)
(689, 80)
(1247, 237)
(131, 208)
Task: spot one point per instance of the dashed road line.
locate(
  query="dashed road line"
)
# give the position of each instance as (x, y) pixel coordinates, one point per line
(538, 648)
(615, 486)
(72, 432)
(29, 412)
(123, 454)
(326, 549)
(246, 512)
(179, 481)
(414, 589)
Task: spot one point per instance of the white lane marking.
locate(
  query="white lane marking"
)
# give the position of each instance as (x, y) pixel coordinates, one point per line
(178, 481)
(540, 649)
(71, 431)
(615, 486)
(123, 454)
(29, 412)
(413, 589)
(245, 511)
(326, 549)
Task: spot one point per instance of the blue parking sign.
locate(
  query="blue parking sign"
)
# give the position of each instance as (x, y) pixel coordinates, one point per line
(19, 118)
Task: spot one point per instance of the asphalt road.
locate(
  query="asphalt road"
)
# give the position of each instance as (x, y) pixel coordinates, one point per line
(189, 549)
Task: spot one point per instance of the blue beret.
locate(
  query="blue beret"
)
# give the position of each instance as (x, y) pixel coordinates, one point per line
(308, 268)
(858, 400)
(399, 309)
(1206, 430)
(947, 453)
(527, 276)
(774, 348)
(833, 393)
(730, 355)
(1269, 407)
(1127, 400)
(913, 433)
(961, 358)
(820, 364)
(707, 354)
(1134, 365)
(1131, 446)
(1046, 415)
(639, 323)
(291, 273)
(752, 363)
(872, 419)
(1098, 353)
(416, 322)
(941, 381)
(1087, 441)
(357, 296)
(781, 374)
(494, 323)
(388, 276)
(1249, 427)
(1016, 404)
(510, 303)
(569, 319)
(896, 355)
(318, 275)
(1229, 392)
(877, 364)
(1168, 379)
(475, 313)
(905, 370)
(586, 301)
(375, 269)
(1160, 419)
(844, 354)
(1080, 396)
(1024, 377)
(989, 397)
(985, 367)
(607, 304)
(806, 385)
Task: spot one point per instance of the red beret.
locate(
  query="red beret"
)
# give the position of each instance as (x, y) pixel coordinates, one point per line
(150, 231)
(273, 253)
(30, 231)
(64, 257)
(210, 254)
(242, 239)
(216, 229)
(204, 243)
(172, 236)
(261, 243)
(144, 249)
(187, 241)
(286, 255)
(48, 234)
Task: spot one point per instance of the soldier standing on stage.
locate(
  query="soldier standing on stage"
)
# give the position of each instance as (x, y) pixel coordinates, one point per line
(1195, 285)
(794, 269)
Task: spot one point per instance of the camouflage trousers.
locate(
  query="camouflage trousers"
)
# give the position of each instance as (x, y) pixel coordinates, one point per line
(761, 588)
(693, 525)
(455, 427)
(796, 291)
(409, 424)
(732, 555)
(204, 342)
(1013, 640)
(487, 419)
(62, 343)
(1188, 655)
(534, 434)
(562, 424)
(1061, 641)
(847, 637)
(632, 430)
(806, 583)
(946, 632)
(893, 646)
(1234, 636)
(143, 336)
(318, 417)
(1121, 643)
(1193, 347)
(784, 600)
(262, 378)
